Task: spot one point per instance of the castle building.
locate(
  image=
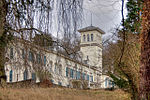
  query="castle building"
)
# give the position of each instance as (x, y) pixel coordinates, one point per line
(30, 61)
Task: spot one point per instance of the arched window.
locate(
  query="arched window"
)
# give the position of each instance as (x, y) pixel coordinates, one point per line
(10, 76)
(88, 38)
(25, 74)
(84, 38)
(92, 37)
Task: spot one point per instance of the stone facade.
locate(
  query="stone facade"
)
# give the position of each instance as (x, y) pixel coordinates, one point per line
(28, 61)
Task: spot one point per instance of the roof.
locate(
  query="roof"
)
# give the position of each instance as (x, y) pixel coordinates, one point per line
(91, 28)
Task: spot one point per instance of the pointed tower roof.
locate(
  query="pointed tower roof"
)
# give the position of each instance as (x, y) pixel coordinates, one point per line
(91, 28)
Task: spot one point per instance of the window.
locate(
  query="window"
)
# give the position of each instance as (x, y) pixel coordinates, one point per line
(66, 71)
(91, 37)
(71, 73)
(110, 83)
(60, 70)
(74, 74)
(23, 54)
(113, 84)
(83, 76)
(10, 76)
(59, 83)
(52, 81)
(91, 78)
(30, 56)
(51, 63)
(84, 38)
(78, 75)
(88, 77)
(17, 77)
(106, 82)
(25, 74)
(44, 60)
(88, 38)
(33, 76)
(55, 68)
(38, 58)
(11, 53)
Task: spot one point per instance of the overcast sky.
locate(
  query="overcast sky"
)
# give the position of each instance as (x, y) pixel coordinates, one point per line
(106, 14)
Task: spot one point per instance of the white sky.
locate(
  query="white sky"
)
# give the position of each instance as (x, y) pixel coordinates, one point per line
(106, 14)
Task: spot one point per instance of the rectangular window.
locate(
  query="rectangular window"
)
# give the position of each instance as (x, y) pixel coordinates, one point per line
(91, 37)
(83, 76)
(38, 58)
(10, 76)
(74, 74)
(59, 83)
(44, 60)
(88, 77)
(31, 56)
(56, 68)
(60, 70)
(84, 37)
(33, 76)
(66, 71)
(78, 75)
(23, 54)
(52, 81)
(91, 78)
(71, 73)
(25, 75)
(51, 63)
(88, 38)
(11, 53)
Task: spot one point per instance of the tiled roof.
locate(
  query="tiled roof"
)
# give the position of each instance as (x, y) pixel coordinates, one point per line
(91, 28)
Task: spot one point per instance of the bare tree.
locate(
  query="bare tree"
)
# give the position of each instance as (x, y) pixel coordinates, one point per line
(25, 18)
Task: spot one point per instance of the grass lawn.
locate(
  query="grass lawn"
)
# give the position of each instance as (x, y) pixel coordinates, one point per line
(61, 94)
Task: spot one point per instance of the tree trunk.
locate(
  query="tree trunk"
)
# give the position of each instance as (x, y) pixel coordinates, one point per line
(3, 13)
(144, 87)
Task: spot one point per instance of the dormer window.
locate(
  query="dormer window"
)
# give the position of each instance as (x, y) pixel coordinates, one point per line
(84, 37)
(88, 38)
(91, 37)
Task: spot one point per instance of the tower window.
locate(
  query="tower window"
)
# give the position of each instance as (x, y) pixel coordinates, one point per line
(88, 38)
(91, 37)
(10, 76)
(84, 38)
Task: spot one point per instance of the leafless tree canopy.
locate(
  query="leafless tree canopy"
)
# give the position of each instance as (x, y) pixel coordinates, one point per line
(29, 16)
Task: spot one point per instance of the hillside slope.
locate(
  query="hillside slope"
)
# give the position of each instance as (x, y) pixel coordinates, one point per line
(61, 94)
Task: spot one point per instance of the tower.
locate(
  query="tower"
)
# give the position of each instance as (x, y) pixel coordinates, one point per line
(91, 46)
